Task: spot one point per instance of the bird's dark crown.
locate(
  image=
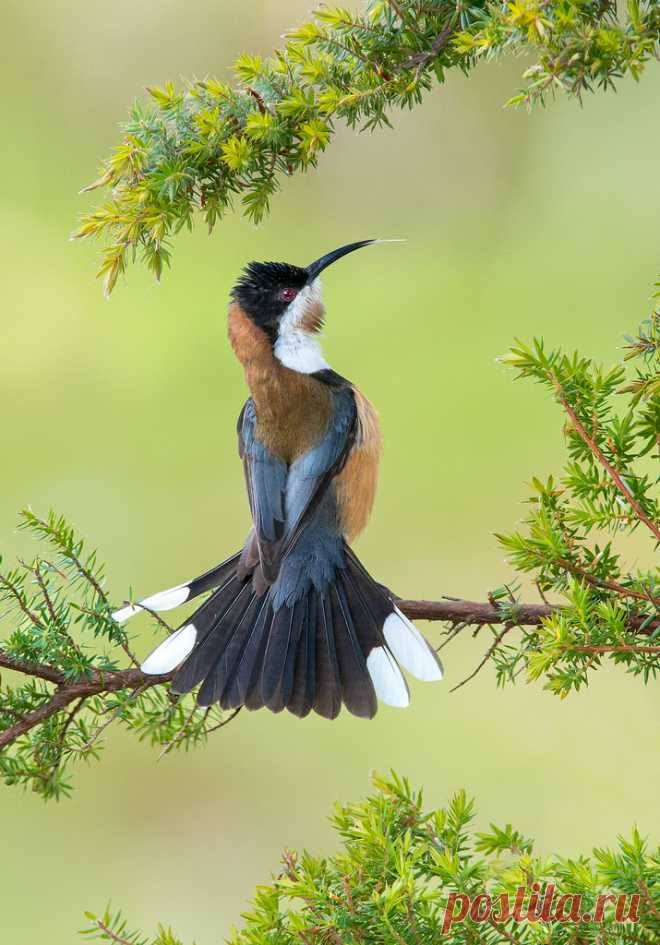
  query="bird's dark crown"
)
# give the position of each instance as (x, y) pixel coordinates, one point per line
(266, 289)
(259, 290)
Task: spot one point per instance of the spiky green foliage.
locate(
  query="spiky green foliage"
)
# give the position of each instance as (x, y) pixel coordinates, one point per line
(399, 865)
(67, 686)
(203, 149)
(576, 540)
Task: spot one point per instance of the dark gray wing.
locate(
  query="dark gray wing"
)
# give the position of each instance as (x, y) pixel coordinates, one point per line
(265, 477)
(282, 498)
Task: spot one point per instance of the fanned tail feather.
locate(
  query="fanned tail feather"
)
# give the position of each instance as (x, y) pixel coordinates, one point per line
(181, 594)
(328, 687)
(304, 671)
(280, 654)
(358, 694)
(341, 642)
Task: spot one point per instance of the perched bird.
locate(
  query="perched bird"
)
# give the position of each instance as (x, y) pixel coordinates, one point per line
(294, 621)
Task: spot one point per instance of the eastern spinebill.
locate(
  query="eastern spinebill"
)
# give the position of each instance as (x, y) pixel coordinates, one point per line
(294, 621)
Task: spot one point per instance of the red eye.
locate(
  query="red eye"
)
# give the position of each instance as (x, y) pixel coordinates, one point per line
(288, 295)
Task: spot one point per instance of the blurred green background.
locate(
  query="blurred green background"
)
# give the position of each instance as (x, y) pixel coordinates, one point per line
(121, 415)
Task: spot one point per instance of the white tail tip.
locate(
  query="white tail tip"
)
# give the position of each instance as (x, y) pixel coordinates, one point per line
(389, 684)
(129, 611)
(410, 648)
(171, 652)
(164, 600)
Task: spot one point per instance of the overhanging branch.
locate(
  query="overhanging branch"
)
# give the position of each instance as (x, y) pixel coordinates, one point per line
(192, 150)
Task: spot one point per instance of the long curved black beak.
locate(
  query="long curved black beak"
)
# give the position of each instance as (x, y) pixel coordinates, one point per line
(315, 268)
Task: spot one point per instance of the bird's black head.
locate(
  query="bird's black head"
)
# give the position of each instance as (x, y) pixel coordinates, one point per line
(265, 290)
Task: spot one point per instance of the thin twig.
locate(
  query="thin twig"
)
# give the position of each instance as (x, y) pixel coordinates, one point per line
(69, 719)
(62, 736)
(451, 635)
(491, 649)
(262, 105)
(230, 718)
(72, 557)
(89, 577)
(502, 931)
(422, 59)
(18, 597)
(401, 13)
(36, 570)
(348, 49)
(360, 26)
(102, 927)
(541, 594)
(157, 617)
(609, 585)
(180, 734)
(600, 456)
(98, 731)
(621, 648)
(646, 895)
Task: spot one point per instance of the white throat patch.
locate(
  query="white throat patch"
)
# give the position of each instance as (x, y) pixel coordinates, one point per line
(295, 347)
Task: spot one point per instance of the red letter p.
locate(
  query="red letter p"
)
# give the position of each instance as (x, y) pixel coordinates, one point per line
(450, 916)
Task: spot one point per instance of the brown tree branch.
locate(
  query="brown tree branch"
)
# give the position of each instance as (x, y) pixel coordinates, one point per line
(99, 681)
(477, 614)
(474, 613)
(40, 670)
(461, 613)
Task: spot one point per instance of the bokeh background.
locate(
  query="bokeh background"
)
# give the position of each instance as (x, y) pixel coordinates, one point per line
(121, 415)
